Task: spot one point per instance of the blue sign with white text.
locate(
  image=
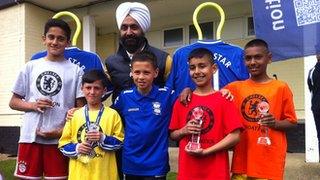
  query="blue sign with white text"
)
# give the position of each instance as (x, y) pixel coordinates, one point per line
(290, 27)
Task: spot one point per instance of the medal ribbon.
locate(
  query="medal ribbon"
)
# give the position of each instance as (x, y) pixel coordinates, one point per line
(86, 113)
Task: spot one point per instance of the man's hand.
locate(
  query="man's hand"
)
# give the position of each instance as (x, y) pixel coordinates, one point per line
(227, 94)
(185, 96)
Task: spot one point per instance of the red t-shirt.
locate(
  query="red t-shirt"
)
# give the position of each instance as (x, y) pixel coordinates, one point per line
(250, 158)
(220, 117)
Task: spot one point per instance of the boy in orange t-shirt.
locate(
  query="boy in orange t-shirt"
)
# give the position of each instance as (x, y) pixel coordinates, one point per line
(250, 159)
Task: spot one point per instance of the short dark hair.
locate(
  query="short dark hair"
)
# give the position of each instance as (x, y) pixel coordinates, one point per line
(58, 23)
(94, 75)
(200, 53)
(257, 42)
(145, 56)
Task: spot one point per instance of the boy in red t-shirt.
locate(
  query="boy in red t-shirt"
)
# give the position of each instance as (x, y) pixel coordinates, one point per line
(253, 160)
(219, 129)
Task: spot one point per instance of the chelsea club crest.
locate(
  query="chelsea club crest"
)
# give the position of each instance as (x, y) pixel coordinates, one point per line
(49, 83)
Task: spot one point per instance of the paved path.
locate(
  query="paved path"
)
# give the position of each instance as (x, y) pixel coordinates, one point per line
(296, 167)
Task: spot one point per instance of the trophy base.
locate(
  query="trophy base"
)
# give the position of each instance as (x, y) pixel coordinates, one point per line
(192, 146)
(264, 141)
(85, 159)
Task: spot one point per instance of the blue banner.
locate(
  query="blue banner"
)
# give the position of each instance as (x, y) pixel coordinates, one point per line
(290, 27)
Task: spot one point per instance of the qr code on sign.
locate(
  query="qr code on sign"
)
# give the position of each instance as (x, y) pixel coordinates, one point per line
(307, 11)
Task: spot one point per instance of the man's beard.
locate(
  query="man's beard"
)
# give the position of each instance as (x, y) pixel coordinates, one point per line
(132, 43)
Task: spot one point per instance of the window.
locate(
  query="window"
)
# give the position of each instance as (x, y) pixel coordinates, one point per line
(207, 32)
(173, 37)
(250, 27)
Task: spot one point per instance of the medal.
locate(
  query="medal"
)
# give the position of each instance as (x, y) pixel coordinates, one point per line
(90, 126)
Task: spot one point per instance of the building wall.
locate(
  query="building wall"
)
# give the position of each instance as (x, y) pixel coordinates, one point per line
(35, 18)
(106, 45)
(292, 72)
(12, 55)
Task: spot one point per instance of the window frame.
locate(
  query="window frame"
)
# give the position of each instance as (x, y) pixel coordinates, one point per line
(173, 28)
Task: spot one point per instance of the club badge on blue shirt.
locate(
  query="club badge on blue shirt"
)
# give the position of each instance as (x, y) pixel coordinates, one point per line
(156, 108)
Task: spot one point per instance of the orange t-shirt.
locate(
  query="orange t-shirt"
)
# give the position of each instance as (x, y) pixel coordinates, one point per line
(249, 157)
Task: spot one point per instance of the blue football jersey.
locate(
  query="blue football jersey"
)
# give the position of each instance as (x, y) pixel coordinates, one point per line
(86, 60)
(229, 59)
(146, 121)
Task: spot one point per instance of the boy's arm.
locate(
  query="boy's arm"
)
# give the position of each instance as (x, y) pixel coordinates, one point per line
(56, 133)
(17, 103)
(72, 150)
(107, 143)
(65, 143)
(69, 150)
(284, 124)
(114, 141)
(110, 143)
(186, 94)
(288, 118)
(226, 143)
(80, 102)
(192, 127)
(270, 121)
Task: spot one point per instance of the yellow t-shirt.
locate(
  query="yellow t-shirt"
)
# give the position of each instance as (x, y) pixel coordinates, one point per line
(103, 166)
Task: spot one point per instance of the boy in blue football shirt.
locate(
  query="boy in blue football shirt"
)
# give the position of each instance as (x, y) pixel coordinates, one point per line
(146, 110)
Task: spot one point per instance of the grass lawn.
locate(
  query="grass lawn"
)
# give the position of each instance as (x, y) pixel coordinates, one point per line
(7, 169)
(171, 176)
